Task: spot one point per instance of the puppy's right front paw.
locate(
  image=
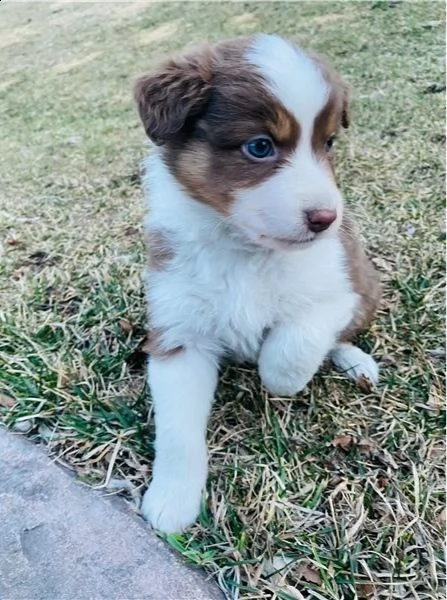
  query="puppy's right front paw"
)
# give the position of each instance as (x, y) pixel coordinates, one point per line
(171, 506)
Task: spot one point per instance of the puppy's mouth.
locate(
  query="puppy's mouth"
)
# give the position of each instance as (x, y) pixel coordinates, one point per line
(286, 243)
(272, 242)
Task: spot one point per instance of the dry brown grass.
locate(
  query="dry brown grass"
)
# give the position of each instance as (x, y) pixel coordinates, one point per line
(337, 494)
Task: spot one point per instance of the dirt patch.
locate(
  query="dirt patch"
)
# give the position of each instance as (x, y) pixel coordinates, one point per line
(65, 67)
(160, 33)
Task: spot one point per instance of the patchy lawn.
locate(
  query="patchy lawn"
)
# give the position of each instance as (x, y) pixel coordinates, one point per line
(337, 494)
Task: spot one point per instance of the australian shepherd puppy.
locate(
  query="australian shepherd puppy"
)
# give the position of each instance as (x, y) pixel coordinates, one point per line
(252, 252)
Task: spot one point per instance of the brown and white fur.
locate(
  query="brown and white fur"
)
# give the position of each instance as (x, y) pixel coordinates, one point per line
(252, 253)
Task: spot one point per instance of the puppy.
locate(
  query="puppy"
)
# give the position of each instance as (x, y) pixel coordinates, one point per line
(252, 253)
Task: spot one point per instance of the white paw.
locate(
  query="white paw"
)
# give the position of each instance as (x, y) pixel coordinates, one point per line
(171, 505)
(283, 383)
(357, 365)
(286, 389)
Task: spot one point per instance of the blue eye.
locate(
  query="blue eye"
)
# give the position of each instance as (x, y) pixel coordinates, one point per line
(259, 148)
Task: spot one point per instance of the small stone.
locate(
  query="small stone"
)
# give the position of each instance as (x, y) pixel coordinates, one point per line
(24, 426)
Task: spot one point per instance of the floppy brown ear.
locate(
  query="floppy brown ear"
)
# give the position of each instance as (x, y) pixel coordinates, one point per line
(178, 91)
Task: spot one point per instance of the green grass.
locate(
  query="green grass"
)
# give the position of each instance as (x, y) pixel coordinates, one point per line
(338, 494)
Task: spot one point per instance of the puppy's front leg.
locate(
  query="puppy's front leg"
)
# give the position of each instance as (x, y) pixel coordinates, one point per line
(292, 352)
(182, 388)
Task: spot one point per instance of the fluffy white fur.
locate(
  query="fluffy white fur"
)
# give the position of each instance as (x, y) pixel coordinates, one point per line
(277, 60)
(224, 294)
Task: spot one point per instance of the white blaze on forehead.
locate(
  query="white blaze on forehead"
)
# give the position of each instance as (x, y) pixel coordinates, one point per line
(291, 76)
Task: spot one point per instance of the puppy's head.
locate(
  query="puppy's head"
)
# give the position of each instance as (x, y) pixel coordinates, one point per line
(247, 126)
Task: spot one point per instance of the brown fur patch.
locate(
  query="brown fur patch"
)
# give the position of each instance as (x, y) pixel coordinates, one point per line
(213, 168)
(364, 277)
(327, 122)
(160, 249)
(154, 345)
(332, 116)
(284, 128)
(208, 159)
(160, 253)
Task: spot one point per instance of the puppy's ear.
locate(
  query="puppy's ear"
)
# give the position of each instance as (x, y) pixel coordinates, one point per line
(178, 91)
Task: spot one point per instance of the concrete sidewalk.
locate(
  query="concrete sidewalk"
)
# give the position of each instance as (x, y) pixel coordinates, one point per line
(62, 541)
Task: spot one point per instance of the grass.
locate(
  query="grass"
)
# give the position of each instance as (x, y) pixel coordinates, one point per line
(337, 494)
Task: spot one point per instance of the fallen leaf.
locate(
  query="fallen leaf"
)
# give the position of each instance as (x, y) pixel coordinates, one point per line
(364, 383)
(342, 441)
(12, 241)
(63, 379)
(383, 482)
(309, 574)
(388, 361)
(7, 401)
(437, 451)
(126, 325)
(366, 446)
(365, 590)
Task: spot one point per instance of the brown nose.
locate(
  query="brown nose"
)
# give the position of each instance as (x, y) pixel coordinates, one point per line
(319, 220)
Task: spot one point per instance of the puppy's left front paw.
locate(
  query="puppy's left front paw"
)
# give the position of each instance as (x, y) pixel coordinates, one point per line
(357, 365)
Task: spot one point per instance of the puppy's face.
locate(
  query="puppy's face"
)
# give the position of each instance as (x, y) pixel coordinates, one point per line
(247, 127)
